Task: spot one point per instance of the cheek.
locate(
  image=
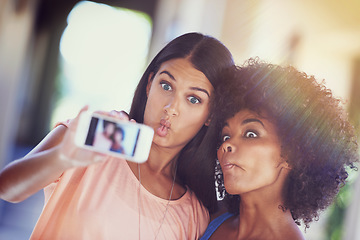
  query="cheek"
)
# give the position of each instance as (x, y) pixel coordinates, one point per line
(152, 106)
(193, 122)
(146, 113)
(197, 115)
(188, 130)
(196, 119)
(266, 168)
(192, 115)
(263, 153)
(219, 152)
(187, 126)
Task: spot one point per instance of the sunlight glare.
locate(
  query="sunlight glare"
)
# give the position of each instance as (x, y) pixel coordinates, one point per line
(103, 55)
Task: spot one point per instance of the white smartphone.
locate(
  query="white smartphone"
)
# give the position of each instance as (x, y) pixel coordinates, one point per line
(119, 138)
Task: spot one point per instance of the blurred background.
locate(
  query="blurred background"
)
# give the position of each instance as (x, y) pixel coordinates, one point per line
(58, 55)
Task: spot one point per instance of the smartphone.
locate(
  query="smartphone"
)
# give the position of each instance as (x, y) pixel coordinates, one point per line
(119, 138)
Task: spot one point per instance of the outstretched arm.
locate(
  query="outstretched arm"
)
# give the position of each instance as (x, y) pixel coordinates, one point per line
(24, 177)
(44, 164)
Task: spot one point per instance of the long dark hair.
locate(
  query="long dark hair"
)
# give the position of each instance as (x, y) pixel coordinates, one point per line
(211, 57)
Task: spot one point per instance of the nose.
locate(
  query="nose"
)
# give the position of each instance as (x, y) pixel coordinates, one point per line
(227, 147)
(172, 108)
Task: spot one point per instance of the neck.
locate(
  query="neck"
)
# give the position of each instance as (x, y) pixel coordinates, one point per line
(162, 160)
(259, 220)
(158, 173)
(261, 211)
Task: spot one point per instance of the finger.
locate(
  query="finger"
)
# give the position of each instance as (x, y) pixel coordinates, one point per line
(99, 158)
(74, 122)
(120, 114)
(84, 157)
(102, 113)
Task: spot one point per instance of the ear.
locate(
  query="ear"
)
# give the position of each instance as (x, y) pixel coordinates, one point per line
(207, 123)
(286, 165)
(148, 86)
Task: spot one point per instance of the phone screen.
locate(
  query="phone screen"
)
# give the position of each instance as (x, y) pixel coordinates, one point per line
(105, 135)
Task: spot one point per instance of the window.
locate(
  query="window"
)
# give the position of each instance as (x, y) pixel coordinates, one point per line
(103, 53)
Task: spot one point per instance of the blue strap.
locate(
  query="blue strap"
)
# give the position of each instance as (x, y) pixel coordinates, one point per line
(214, 224)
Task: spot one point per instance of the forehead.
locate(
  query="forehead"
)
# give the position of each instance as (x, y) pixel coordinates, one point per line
(183, 70)
(241, 119)
(243, 115)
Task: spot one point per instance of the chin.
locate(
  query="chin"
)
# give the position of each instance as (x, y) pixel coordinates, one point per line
(161, 141)
(230, 189)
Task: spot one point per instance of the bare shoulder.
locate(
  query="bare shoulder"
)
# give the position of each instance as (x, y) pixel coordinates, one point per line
(221, 210)
(293, 232)
(294, 236)
(227, 230)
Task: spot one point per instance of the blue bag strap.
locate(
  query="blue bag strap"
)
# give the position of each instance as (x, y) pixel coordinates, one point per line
(214, 224)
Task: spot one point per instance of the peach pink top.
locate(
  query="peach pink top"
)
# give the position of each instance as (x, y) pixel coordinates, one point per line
(101, 201)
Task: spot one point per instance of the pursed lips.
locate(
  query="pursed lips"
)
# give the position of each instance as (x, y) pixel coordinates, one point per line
(164, 127)
(165, 123)
(227, 165)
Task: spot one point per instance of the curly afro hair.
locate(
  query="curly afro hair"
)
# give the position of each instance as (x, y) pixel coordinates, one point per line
(317, 139)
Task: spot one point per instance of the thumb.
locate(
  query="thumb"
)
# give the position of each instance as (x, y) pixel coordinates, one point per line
(75, 121)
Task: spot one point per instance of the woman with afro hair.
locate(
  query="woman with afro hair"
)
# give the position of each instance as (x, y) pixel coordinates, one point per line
(285, 149)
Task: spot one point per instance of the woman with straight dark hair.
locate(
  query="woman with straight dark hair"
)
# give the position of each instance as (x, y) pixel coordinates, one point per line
(92, 196)
(210, 57)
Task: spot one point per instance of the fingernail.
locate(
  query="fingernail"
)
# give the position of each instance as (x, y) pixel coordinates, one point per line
(99, 158)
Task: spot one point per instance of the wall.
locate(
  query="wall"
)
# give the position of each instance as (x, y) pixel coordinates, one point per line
(16, 24)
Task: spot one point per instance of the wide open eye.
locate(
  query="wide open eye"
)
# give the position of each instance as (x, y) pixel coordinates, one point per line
(166, 86)
(225, 138)
(251, 134)
(193, 100)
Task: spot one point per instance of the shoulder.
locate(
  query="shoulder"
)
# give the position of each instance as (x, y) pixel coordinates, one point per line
(190, 197)
(221, 210)
(216, 226)
(193, 206)
(292, 232)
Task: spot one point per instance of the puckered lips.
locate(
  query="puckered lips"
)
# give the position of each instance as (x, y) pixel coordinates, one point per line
(164, 127)
(227, 164)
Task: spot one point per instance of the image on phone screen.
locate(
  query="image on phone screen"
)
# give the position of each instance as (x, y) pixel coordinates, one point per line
(104, 135)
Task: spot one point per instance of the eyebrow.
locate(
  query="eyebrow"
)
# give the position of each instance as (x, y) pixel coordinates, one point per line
(249, 120)
(192, 88)
(201, 89)
(169, 74)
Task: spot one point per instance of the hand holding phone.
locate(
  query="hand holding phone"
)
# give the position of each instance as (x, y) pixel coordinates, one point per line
(112, 136)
